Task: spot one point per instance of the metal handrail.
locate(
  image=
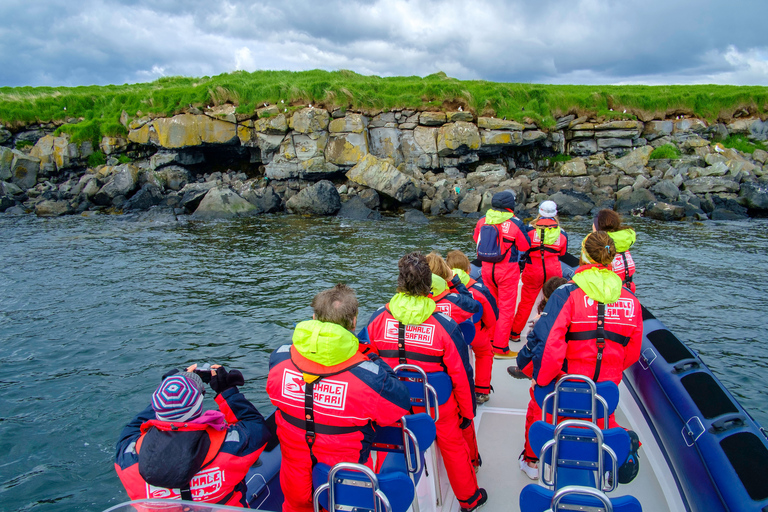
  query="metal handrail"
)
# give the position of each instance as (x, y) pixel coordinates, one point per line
(380, 501)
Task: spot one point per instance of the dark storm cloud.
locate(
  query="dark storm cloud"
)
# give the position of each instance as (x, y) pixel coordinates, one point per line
(51, 42)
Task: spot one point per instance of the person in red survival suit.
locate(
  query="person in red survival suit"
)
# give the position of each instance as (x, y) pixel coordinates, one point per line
(590, 326)
(410, 330)
(524, 370)
(503, 277)
(548, 243)
(174, 450)
(623, 238)
(329, 396)
(481, 346)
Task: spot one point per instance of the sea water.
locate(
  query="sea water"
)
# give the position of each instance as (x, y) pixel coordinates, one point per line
(94, 310)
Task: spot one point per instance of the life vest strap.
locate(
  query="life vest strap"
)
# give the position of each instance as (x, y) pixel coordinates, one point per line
(320, 428)
(593, 334)
(401, 343)
(413, 356)
(600, 339)
(309, 418)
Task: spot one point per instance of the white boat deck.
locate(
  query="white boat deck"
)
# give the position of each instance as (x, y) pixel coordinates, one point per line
(500, 424)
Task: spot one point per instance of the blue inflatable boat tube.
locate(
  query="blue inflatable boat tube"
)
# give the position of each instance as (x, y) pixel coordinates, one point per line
(716, 450)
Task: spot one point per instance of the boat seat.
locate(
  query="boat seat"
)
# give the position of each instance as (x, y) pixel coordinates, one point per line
(427, 390)
(468, 331)
(535, 498)
(578, 397)
(405, 444)
(579, 452)
(350, 486)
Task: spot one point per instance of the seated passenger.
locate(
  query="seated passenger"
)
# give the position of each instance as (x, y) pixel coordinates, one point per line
(410, 330)
(173, 449)
(592, 324)
(329, 396)
(623, 238)
(459, 264)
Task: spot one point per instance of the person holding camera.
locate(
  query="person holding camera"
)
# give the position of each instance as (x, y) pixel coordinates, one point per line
(175, 450)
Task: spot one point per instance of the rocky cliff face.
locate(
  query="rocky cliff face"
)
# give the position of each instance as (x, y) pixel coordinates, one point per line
(216, 164)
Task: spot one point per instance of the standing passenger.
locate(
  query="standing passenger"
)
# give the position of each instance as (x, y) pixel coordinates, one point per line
(548, 243)
(410, 330)
(501, 238)
(623, 238)
(345, 392)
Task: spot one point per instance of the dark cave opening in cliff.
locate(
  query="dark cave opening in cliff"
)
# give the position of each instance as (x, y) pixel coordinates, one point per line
(220, 158)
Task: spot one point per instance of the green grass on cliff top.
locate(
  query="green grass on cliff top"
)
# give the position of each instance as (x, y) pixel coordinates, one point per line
(98, 108)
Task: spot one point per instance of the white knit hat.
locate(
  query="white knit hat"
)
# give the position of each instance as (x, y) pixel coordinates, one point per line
(548, 209)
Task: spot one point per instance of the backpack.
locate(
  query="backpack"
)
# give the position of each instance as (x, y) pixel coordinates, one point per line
(489, 244)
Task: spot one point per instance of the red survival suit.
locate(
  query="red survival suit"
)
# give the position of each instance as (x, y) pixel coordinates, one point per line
(350, 395)
(223, 462)
(502, 278)
(434, 342)
(623, 264)
(548, 243)
(564, 340)
(484, 328)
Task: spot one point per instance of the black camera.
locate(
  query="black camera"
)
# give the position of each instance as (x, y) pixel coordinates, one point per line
(204, 371)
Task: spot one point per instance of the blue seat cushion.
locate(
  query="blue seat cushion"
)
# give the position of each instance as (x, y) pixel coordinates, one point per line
(580, 401)
(535, 498)
(395, 485)
(439, 380)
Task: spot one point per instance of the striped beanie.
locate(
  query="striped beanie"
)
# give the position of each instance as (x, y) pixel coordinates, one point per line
(179, 397)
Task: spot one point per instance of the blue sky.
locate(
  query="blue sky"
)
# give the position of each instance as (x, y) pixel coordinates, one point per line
(84, 42)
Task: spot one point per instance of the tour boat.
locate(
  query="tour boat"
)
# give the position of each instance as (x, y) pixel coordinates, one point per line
(701, 451)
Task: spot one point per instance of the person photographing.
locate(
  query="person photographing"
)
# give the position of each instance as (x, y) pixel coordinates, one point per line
(175, 450)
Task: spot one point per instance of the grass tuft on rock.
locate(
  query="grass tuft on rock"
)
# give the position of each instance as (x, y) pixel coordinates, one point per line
(94, 111)
(667, 151)
(741, 143)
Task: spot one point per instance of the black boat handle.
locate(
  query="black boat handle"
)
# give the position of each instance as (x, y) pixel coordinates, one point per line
(685, 365)
(725, 424)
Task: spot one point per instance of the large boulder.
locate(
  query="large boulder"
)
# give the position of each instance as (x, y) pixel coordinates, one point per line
(308, 146)
(415, 217)
(385, 144)
(354, 208)
(628, 200)
(656, 129)
(383, 177)
(572, 203)
(471, 202)
(265, 199)
(346, 149)
(501, 138)
(186, 130)
(193, 193)
(711, 184)
(24, 169)
(488, 175)
(634, 163)
(457, 138)
(754, 195)
(308, 120)
(666, 189)
(122, 183)
(174, 177)
(6, 159)
(222, 202)
(322, 198)
(492, 123)
(574, 167)
(148, 196)
(350, 123)
(57, 151)
(51, 208)
(665, 211)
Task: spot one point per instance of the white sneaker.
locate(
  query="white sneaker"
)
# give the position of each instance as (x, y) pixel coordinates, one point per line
(532, 473)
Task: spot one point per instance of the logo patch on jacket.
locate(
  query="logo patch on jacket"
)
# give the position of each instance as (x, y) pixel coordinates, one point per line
(622, 309)
(418, 334)
(444, 307)
(204, 484)
(331, 394)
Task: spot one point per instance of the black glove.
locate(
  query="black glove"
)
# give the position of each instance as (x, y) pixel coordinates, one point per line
(224, 380)
(465, 423)
(172, 371)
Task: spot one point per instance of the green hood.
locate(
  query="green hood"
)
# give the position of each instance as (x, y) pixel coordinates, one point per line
(497, 217)
(411, 310)
(438, 285)
(463, 276)
(324, 343)
(623, 239)
(599, 283)
(551, 235)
